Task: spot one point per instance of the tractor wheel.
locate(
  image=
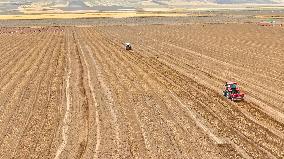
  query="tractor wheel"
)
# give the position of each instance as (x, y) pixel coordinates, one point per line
(228, 96)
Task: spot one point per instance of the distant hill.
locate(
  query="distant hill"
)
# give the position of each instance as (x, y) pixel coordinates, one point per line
(246, 1)
(227, 1)
(44, 6)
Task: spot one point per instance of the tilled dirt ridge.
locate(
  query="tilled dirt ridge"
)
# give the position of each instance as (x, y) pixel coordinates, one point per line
(74, 92)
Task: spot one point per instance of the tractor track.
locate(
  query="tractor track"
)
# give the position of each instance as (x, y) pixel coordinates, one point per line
(108, 103)
(68, 99)
(75, 112)
(85, 107)
(97, 129)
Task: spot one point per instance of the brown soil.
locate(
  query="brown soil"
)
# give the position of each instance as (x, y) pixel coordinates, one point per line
(74, 92)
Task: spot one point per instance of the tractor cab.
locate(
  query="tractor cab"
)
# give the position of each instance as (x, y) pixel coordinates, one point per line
(232, 91)
(233, 86)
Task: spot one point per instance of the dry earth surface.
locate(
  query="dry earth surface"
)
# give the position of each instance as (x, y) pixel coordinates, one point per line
(74, 92)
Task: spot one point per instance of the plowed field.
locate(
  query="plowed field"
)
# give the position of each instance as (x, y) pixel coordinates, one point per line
(74, 92)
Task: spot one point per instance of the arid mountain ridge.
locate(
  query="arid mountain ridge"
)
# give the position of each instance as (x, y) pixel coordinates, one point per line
(231, 1)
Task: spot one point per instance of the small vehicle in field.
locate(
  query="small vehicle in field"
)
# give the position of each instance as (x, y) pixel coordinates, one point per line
(232, 91)
(128, 46)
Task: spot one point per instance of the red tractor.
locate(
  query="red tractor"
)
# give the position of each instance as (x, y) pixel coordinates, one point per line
(232, 91)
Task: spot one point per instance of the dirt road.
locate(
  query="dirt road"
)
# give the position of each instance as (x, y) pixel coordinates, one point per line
(74, 92)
